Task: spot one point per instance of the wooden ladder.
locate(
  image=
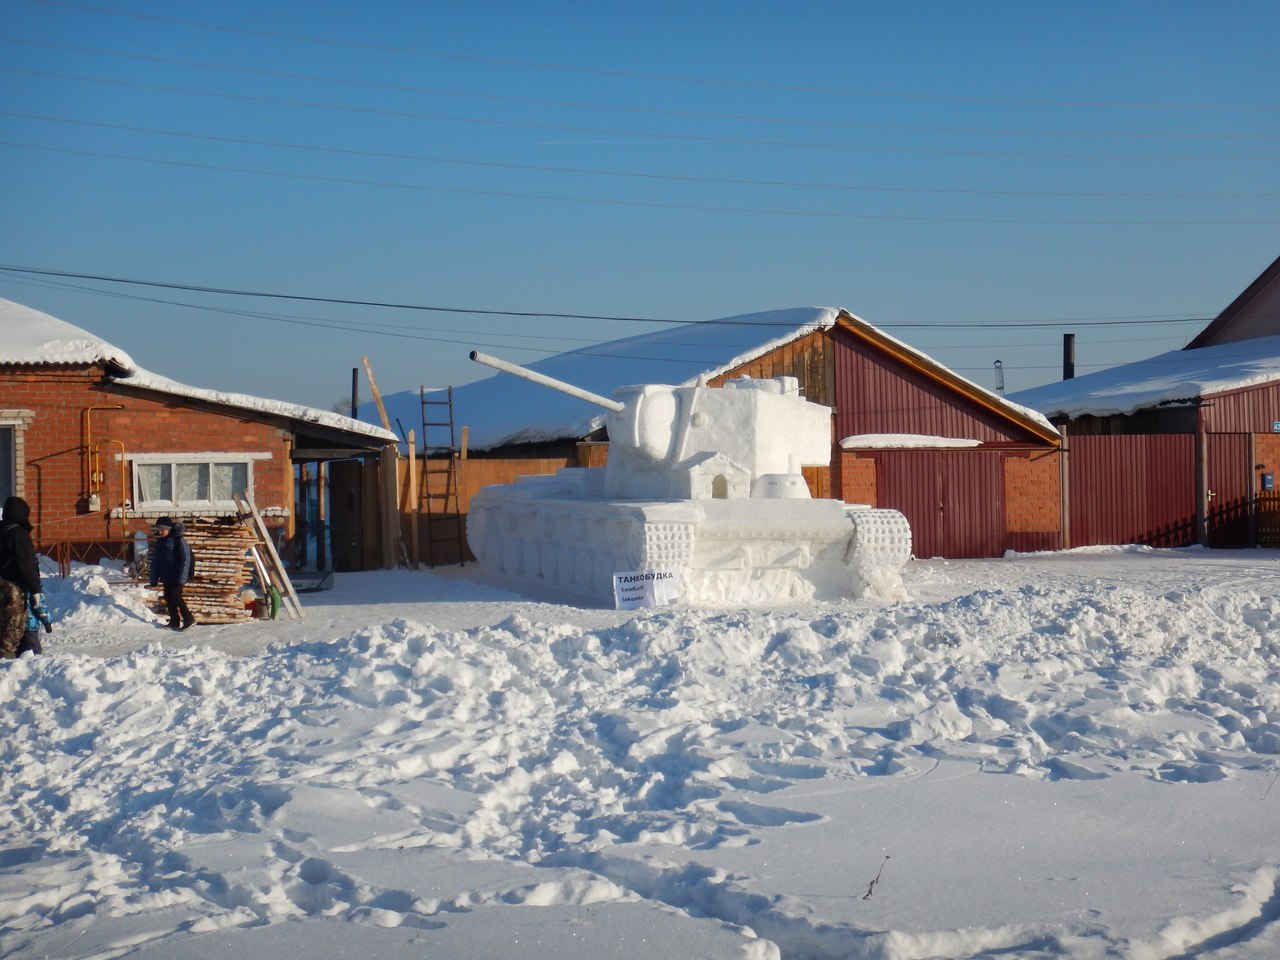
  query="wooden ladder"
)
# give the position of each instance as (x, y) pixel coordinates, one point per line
(266, 560)
(439, 496)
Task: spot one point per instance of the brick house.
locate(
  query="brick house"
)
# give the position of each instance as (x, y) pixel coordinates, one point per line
(100, 447)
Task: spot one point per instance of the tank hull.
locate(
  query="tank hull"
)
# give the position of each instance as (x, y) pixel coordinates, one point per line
(551, 533)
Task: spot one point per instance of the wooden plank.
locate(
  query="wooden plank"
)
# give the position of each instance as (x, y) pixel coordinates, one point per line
(389, 521)
(377, 395)
(258, 565)
(274, 567)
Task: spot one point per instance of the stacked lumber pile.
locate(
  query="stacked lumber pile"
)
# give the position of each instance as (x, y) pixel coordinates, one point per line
(224, 567)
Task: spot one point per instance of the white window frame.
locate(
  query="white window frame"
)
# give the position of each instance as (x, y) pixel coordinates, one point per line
(19, 421)
(174, 459)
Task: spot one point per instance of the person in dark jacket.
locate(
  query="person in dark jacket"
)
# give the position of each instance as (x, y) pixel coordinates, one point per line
(22, 606)
(170, 567)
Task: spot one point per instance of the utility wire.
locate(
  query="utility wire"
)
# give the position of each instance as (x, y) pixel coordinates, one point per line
(675, 178)
(672, 78)
(225, 291)
(364, 326)
(684, 359)
(380, 328)
(703, 363)
(640, 134)
(624, 108)
(639, 204)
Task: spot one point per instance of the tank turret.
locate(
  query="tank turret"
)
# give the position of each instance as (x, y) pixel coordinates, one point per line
(746, 440)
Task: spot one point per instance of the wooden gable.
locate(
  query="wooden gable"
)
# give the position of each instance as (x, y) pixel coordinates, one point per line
(809, 359)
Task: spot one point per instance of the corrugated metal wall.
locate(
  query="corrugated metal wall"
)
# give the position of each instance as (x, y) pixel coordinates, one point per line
(1252, 410)
(953, 499)
(1132, 489)
(876, 393)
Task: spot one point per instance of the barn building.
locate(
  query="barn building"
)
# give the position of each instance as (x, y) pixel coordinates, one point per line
(975, 474)
(1181, 448)
(100, 448)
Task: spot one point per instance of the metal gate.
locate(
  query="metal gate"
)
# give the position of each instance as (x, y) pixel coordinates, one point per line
(954, 500)
(1132, 489)
(1230, 474)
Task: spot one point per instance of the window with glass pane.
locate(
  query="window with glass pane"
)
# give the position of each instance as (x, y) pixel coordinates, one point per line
(190, 483)
(228, 479)
(154, 481)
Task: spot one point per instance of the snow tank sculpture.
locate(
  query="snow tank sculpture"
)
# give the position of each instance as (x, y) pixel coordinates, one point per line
(703, 480)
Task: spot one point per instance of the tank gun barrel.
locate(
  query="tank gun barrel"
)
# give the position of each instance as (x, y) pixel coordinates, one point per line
(552, 382)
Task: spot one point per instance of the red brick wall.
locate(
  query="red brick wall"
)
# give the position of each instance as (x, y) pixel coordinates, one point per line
(56, 448)
(1266, 448)
(857, 479)
(1033, 501)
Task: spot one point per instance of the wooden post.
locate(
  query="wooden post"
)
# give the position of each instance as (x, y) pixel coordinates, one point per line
(291, 503)
(462, 451)
(377, 396)
(322, 515)
(414, 501)
(1064, 481)
(302, 501)
(390, 507)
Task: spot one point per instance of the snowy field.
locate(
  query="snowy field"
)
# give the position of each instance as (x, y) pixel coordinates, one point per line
(1067, 755)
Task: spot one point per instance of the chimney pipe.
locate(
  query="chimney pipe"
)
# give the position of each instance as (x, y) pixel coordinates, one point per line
(1068, 356)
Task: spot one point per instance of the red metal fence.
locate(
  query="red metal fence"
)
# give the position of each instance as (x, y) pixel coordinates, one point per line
(1132, 489)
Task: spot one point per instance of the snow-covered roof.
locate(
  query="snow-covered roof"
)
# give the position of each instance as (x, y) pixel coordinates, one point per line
(904, 441)
(1167, 378)
(32, 338)
(505, 409)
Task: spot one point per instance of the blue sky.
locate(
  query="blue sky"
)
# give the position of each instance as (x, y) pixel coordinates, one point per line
(978, 179)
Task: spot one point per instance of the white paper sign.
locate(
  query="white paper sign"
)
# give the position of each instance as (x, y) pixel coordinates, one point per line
(646, 588)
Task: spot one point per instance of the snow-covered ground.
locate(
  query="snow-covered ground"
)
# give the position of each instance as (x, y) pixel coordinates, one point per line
(1042, 756)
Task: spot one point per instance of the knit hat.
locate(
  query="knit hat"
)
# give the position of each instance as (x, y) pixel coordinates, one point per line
(164, 522)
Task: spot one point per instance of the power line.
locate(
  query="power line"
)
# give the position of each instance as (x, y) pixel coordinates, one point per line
(638, 75)
(473, 340)
(676, 178)
(686, 360)
(641, 204)
(226, 291)
(626, 108)
(371, 327)
(642, 134)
